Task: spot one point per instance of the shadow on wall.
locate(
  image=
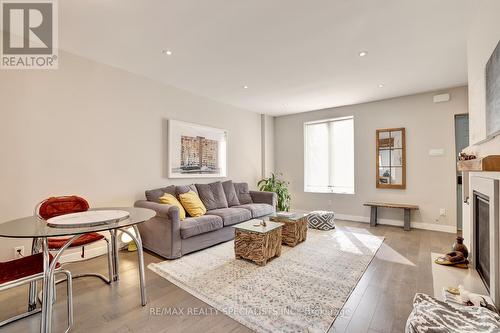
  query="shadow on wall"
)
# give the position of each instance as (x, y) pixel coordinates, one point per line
(164, 147)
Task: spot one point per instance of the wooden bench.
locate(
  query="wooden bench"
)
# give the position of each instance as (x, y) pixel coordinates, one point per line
(375, 205)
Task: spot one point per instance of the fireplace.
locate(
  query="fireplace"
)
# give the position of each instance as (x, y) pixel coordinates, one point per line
(484, 232)
(482, 237)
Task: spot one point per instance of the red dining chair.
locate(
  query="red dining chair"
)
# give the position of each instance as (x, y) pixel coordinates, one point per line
(26, 270)
(57, 206)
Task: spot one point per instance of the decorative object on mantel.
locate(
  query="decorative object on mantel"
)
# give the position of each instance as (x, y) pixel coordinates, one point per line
(454, 258)
(453, 290)
(196, 151)
(465, 157)
(473, 299)
(391, 158)
(487, 163)
(460, 247)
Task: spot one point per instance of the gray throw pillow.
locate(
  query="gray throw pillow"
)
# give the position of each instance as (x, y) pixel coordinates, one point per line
(230, 192)
(243, 193)
(154, 195)
(212, 195)
(184, 189)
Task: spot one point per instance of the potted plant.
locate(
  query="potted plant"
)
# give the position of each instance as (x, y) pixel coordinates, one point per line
(278, 186)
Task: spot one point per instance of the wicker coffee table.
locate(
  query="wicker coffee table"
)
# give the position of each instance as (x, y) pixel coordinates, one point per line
(257, 243)
(294, 228)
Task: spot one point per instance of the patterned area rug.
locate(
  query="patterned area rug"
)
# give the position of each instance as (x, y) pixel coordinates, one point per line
(301, 291)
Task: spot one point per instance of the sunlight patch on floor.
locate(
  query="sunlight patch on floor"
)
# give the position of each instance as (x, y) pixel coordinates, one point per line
(387, 253)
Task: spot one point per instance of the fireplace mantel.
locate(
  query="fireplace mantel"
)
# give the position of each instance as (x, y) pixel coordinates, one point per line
(485, 185)
(487, 163)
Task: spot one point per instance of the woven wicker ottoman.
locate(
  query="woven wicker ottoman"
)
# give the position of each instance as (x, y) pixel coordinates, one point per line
(322, 220)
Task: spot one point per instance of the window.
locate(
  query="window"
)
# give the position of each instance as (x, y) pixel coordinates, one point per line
(329, 156)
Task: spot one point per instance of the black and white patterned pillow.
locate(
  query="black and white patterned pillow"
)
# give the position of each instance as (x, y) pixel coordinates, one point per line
(321, 220)
(430, 315)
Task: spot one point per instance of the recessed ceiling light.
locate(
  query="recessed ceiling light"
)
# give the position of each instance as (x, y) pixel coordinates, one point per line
(245, 87)
(381, 85)
(363, 54)
(167, 52)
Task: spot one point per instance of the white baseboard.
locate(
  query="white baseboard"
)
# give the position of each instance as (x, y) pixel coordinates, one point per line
(399, 223)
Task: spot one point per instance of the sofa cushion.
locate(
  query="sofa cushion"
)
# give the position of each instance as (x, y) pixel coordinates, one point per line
(230, 192)
(243, 193)
(185, 189)
(154, 195)
(258, 209)
(212, 195)
(193, 226)
(169, 199)
(192, 203)
(232, 215)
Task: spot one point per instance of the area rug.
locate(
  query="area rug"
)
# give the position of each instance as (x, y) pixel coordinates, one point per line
(303, 290)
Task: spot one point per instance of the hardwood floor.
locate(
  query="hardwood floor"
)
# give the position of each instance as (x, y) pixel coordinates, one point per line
(380, 302)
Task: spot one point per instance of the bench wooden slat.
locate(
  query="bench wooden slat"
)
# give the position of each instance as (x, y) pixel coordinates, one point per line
(390, 205)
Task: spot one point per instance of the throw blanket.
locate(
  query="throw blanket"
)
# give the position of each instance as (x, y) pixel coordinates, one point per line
(432, 316)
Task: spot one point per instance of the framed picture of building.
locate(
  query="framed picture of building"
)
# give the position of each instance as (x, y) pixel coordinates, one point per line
(196, 151)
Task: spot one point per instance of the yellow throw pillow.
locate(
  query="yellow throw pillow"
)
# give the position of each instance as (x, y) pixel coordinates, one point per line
(192, 203)
(169, 199)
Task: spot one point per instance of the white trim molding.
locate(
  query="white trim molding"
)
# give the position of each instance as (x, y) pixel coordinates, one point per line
(400, 223)
(397, 223)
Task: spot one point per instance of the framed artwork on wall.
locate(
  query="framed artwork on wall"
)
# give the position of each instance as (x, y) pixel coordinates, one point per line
(493, 94)
(196, 151)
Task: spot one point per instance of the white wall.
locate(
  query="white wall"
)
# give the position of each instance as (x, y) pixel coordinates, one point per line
(267, 126)
(483, 37)
(430, 180)
(100, 132)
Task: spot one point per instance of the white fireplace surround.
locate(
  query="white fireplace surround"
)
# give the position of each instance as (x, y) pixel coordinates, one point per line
(487, 184)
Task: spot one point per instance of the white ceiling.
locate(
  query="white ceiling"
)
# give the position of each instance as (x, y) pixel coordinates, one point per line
(294, 55)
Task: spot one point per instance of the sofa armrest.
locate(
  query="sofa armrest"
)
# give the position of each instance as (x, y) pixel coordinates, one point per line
(269, 198)
(161, 234)
(162, 210)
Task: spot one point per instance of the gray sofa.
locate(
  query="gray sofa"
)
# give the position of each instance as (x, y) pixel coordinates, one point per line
(227, 204)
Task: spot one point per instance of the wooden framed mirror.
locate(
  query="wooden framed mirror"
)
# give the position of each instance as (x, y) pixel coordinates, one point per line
(391, 158)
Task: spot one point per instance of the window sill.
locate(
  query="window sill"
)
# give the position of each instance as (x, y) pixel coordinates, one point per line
(331, 191)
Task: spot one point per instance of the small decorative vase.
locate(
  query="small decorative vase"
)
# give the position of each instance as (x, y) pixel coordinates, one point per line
(460, 247)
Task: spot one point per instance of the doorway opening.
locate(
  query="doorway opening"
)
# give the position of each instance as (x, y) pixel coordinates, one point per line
(461, 142)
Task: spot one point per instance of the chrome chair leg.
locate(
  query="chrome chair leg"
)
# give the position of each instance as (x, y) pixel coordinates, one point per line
(110, 260)
(54, 291)
(32, 294)
(114, 254)
(69, 290)
(34, 279)
(140, 254)
(105, 279)
(48, 277)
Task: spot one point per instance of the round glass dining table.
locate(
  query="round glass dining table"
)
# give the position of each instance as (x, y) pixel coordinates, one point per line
(37, 228)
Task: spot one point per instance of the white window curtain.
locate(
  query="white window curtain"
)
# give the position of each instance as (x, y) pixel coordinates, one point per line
(329, 156)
